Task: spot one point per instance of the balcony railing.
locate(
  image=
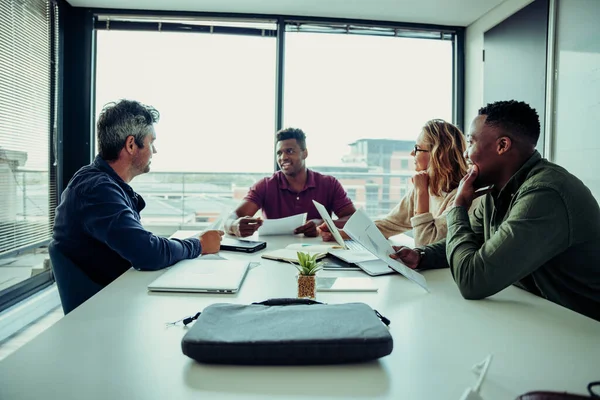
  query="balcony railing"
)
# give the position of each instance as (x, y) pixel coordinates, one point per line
(194, 200)
(25, 209)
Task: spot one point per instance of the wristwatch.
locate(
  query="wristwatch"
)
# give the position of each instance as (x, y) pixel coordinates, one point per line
(421, 255)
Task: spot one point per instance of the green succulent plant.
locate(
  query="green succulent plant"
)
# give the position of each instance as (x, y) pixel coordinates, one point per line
(307, 264)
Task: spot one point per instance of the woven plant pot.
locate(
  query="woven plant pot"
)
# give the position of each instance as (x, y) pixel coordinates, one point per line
(307, 286)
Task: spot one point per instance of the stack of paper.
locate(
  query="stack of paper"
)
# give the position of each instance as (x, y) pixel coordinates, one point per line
(281, 226)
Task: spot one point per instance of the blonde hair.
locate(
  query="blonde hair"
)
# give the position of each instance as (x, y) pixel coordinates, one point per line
(447, 164)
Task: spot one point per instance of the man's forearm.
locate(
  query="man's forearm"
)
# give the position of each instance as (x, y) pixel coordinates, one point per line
(340, 222)
(166, 253)
(462, 244)
(435, 256)
(343, 215)
(144, 250)
(535, 230)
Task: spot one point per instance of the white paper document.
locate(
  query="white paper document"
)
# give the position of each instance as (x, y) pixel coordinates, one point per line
(345, 284)
(185, 234)
(361, 229)
(402, 240)
(281, 226)
(218, 223)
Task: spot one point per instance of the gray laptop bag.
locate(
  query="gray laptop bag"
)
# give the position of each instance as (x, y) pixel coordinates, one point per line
(287, 332)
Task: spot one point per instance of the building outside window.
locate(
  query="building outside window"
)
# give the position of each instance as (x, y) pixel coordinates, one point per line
(362, 100)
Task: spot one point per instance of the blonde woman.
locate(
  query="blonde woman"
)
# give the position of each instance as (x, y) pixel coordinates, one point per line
(439, 166)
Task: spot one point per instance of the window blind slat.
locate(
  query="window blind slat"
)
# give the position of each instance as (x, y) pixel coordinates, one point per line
(27, 186)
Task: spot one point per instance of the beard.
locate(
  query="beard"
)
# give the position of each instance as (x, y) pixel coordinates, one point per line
(291, 173)
(482, 180)
(292, 170)
(139, 167)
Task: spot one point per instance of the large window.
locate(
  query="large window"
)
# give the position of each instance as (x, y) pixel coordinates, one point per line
(362, 100)
(27, 176)
(216, 96)
(361, 96)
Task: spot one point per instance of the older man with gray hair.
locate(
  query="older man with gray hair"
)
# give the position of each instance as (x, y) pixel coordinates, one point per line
(97, 223)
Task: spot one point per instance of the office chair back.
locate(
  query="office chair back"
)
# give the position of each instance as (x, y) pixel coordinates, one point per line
(74, 286)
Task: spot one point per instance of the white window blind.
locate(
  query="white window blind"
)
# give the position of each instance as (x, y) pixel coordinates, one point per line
(27, 188)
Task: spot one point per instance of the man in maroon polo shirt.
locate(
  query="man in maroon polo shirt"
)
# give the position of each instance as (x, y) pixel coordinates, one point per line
(291, 191)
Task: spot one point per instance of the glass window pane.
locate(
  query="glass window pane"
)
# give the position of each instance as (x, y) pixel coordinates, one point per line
(362, 100)
(27, 178)
(216, 96)
(24, 124)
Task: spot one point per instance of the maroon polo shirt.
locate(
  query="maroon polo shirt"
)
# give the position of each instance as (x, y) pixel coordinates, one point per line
(277, 199)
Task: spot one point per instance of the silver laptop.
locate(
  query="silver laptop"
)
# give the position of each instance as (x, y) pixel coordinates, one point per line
(353, 252)
(202, 276)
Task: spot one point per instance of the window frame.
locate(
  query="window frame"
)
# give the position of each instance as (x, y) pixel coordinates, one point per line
(123, 19)
(28, 287)
(77, 97)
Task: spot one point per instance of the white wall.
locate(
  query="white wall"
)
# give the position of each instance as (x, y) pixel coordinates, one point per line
(575, 143)
(473, 54)
(577, 90)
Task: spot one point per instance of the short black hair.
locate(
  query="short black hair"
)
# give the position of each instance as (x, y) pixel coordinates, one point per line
(515, 117)
(121, 119)
(292, 133)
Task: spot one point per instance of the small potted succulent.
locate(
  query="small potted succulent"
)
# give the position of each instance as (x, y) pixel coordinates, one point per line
(307, 268)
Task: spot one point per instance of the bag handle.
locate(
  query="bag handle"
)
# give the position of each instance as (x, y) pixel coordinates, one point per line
(270, 302)
(287, 302)
(293, 302)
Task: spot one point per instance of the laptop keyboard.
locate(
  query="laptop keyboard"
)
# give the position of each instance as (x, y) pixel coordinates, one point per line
(352, 245)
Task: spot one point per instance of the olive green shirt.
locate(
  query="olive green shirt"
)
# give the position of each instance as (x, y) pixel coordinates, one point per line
(540, 232)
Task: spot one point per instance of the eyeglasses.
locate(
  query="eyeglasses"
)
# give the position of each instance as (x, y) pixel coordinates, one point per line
(416, 150)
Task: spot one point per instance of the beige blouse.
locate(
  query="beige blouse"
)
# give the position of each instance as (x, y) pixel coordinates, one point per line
(428, 227)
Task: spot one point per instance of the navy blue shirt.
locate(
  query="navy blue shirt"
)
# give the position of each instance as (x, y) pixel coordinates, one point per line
(97, 225)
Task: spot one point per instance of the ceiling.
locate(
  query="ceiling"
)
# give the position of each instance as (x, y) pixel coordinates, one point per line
(439, 12)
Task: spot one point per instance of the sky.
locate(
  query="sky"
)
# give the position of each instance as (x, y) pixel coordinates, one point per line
(216, 93)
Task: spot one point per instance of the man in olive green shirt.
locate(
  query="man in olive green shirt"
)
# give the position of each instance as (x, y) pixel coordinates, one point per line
(538, 228)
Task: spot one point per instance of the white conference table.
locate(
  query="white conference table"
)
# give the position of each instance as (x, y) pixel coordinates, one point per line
(116, 345)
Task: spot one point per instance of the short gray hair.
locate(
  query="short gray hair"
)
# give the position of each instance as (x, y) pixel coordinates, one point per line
(119, 120)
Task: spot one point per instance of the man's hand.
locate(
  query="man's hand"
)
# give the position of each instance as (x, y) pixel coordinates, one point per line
(325, 233)
(309, 229)
(246, 226)
(466, 191)
(210, 241)
(420, 181)
(328, 236)
(411, 258)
